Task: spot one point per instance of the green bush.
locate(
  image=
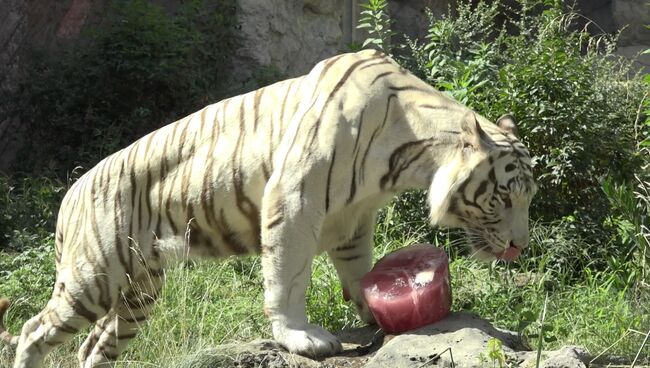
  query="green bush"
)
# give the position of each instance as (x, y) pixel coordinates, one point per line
(140, 69)
(577, 107)
(575, 101)
(28, 208)
(630, 208)
(28, 279)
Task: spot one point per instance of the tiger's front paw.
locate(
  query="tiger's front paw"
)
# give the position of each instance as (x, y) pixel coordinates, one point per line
(311, 341)
(364, 313)
(360, 303)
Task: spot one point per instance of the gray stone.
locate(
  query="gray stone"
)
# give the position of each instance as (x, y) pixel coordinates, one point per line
(597, 16)
(12, 33)
(634, 15)
(566, 357)
(259, 353)
(634, 53)
(461, 335)
(464, 338)
(290, 35)
(269, 354)
(410, 15)
(589, 6)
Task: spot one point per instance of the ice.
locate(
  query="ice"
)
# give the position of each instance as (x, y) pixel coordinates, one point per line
(409, 288)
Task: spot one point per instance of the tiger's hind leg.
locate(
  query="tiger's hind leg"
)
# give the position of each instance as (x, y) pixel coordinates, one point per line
(67, 312)
(113, 333)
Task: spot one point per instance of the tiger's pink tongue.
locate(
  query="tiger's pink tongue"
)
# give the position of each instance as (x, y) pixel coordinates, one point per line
(510, 254)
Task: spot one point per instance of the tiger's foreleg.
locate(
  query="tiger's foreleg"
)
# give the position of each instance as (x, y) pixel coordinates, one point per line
(289, 244)
(113, 333)
(353, 259)
(42, 333)
(68, 311)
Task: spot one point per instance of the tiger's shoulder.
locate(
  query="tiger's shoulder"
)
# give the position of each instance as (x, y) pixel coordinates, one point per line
(368, 70)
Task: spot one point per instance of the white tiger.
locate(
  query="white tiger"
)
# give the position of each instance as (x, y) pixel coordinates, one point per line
(290, 170)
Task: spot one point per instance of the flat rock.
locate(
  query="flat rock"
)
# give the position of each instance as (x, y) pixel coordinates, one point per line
(461, 338)
(568, 356)
(258, 353)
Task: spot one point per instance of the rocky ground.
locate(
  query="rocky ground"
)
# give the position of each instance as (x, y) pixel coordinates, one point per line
(460, 340)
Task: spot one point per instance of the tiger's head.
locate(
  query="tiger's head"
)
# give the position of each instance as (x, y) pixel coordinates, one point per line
(486, 188)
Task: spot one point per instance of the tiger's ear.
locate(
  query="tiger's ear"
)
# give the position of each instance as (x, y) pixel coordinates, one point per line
(507, 122)
(473, 136)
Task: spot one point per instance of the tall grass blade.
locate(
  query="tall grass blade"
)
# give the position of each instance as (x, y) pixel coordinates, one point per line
(609, 347)
(640, 349)
(541, 333)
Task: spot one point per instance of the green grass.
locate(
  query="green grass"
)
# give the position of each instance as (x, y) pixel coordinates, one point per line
(202, 304)
(208, 303)
(593, 313)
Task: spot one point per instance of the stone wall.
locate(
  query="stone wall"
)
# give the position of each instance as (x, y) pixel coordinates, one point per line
(633, 16)
(26, 26)
(289, 34)
(12, 31)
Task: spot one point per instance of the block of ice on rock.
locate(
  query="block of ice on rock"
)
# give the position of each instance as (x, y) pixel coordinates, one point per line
(409, 288)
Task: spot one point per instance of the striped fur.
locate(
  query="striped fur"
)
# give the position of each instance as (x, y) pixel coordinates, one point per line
(290, 170)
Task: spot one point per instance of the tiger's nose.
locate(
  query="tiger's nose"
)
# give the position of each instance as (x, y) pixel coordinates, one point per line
(521, 244)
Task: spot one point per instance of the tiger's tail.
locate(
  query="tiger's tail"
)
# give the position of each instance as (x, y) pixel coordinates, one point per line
(5, 336)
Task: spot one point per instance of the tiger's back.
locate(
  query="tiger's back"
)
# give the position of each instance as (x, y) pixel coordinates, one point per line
(206, 173)
(179, 177)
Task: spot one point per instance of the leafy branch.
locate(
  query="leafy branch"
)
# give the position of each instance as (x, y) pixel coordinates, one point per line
(377, 22)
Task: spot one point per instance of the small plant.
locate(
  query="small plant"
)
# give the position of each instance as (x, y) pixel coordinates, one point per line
(493, 355)
(376, 20)
(631, 213)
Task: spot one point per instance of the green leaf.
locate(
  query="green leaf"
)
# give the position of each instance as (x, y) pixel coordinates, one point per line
(646, 79)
